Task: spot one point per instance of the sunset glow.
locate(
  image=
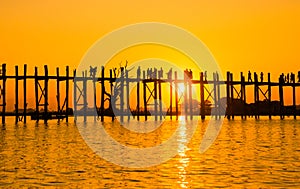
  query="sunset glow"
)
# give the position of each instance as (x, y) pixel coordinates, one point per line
(150, 94)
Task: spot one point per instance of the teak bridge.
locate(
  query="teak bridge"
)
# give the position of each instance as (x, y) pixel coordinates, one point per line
(115, 92)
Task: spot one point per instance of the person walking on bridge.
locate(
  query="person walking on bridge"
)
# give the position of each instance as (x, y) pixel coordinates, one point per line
(249, 76)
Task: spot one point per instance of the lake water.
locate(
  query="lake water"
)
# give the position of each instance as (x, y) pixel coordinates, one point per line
(247, 154)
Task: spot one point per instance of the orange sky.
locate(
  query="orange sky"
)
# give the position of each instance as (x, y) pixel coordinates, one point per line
(256, 35)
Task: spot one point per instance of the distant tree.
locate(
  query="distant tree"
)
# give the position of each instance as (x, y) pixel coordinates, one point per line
(114, 96)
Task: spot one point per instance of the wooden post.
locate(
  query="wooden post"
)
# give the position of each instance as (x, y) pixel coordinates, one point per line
(245, 99)
(269, 96)
(215, 95)
(176, 94)
(190, 97)
(102, 94)
(58, 94)
(25, 99)
(294, 97)
(84, 84)
(36, 93)
(232, 95)
(95, 95)
(202, 96)
(228, 96)
(3, 92)
(256, 92)
(171, 93)
(145, 99)
(155, 93)
(17, 94)
(122, 94)
(67, 94)
(128, 110)
(281, 101)
(75, 96)
(185, 83)
(46, 95)
(111, 94)
(160, 95)
(218, 96)
(138, 75)
(242, 96)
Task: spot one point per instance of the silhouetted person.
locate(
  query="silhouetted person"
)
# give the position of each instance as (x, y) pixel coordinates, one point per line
(298, 76)
(292, 78)
(261, 77)
(148, 73)
(255, 77)
(186, 73)
(170, 74)
(288, 78)
(190, 74)
(282, 78)
(93, 71)
(249, 77)
(205, 76)
(160, 73)
(154, 74)
(151, 73)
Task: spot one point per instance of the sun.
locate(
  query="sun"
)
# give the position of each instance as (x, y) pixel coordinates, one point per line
(181, 89)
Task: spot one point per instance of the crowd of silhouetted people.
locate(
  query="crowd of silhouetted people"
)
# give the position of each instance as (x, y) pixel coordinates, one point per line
(154, 73)
(255, 77)
(188, 73)
(288, 78)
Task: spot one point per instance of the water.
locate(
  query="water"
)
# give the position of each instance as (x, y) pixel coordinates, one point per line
(246, 154)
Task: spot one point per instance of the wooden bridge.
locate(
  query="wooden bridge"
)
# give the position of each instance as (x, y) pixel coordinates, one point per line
(115, 92)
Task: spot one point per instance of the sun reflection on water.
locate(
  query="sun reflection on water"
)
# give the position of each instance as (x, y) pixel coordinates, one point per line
(183, 159)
